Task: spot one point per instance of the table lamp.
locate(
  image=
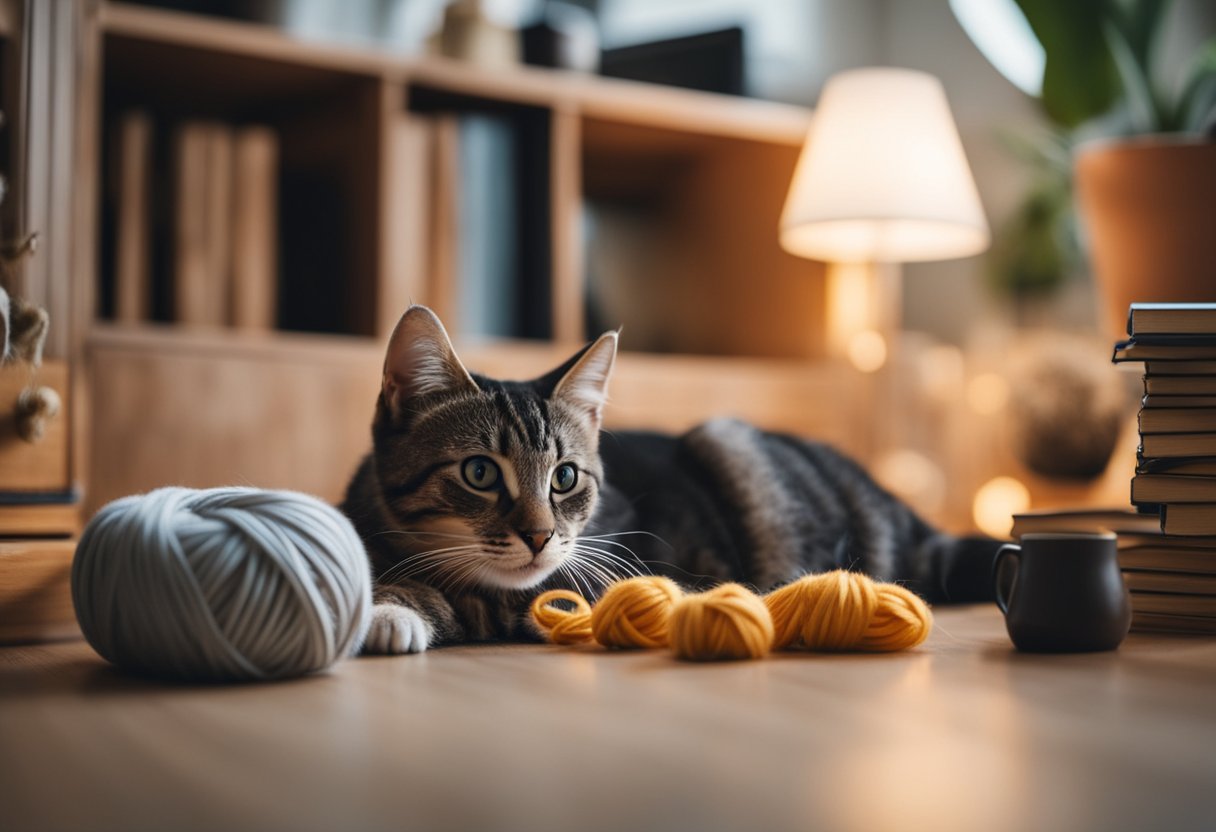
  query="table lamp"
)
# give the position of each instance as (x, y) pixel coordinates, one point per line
(882, 180)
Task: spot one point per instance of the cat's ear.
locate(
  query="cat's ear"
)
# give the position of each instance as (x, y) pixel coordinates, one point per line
(583, 384)
(421, 361)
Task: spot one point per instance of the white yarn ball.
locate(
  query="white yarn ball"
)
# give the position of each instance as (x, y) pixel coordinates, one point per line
(221, 584)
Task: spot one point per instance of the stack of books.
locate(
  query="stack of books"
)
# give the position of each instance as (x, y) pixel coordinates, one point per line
(1175, 481)
(1167, 540)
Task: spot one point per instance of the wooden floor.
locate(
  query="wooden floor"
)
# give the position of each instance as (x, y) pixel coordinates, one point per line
(962, 734)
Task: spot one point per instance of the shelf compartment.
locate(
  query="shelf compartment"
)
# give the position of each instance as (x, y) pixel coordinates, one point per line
(330, 130)
(682, 244)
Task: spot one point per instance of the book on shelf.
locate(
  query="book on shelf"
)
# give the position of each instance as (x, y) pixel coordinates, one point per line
(202, 212)
(1189, 518)
(1180, 368)
(1178, 420)
(218, 204)
(1166, 556)
(1173, 488)
(503, 285)
(132, 180)
(489, 227)
(254, 223)
(1171, 319)
(1084, 521)
(1177, 402)
(1174, 603)
(1185, 466)
(1193, 350)
(1166, 623)
(408, 176)
(1177, 445)
(1179, 385)
(1178, 583)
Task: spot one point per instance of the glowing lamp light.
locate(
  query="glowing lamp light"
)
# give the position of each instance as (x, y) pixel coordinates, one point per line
(995, 504)
(868, 351)
(987, 393)
(882, 179)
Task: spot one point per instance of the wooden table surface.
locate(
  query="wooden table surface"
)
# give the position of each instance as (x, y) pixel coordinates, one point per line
(963, 733)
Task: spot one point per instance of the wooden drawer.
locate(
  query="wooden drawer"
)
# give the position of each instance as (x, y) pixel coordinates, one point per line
(43, 466)
(35, 590)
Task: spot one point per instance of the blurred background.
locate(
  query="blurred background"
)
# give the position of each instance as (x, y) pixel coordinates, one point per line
(926, 265)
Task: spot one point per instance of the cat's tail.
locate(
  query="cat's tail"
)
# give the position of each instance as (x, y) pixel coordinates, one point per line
(956, 570)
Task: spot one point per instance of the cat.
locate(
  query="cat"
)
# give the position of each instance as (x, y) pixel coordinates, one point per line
(478, 494)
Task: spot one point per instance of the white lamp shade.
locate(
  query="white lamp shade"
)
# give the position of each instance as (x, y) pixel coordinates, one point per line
(882, 176)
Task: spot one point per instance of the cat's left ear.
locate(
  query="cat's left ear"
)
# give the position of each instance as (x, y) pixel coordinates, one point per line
(584, 386)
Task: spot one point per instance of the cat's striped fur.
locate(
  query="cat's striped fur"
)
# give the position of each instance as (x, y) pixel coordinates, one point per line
(469, 507)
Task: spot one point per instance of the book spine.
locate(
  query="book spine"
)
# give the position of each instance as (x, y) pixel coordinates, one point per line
(1189, 519)
(132, 285)
(219, 212)
(254, 218)
(408, 216)
(190, 162)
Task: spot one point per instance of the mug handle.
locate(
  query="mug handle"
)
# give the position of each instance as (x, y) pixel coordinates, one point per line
(1009, 550)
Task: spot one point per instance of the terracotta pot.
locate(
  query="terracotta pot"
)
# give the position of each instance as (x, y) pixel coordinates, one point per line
(1149, 208)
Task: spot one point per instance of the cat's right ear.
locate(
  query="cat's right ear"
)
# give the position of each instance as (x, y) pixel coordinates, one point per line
(421, 361)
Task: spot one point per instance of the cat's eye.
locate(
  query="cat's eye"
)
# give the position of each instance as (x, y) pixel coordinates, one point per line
(564, 478)
(480, 472)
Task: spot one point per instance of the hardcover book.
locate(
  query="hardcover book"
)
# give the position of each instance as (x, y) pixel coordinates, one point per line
(1155, 402)
(1178, 583)
(1118, 520)
(1171, 488)
(1171, 319)
(1178, 420)
(1191, 350)
(1189, 518)
(1177, 444)
(1172, 603)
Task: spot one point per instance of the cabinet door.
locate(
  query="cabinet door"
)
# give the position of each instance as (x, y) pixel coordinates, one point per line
(42, 73)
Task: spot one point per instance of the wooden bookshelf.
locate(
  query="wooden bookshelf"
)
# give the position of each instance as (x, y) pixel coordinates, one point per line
(721, 321)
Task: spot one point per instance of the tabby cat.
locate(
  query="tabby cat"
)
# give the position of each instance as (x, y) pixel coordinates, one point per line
(479, 493)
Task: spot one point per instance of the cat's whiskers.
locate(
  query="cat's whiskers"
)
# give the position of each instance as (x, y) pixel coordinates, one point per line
(583, 587)
(591, 567)
(422, 561)
(605, 537)
(633, 567)
(468, 573)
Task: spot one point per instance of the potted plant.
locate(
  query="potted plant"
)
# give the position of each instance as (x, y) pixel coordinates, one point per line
(1141, 157)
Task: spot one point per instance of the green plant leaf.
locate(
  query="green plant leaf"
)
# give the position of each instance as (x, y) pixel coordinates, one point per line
(1196, 107)
(1035, 251)
(1139, 21)
(1142, 108)
(1079, 77)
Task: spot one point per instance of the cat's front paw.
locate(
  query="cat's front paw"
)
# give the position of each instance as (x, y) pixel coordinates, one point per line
(396, 629)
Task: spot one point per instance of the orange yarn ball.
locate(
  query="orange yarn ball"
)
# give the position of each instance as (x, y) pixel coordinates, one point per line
(847, 611)
(727, 622)
(635, 612)
(632, 613)
(563, 626)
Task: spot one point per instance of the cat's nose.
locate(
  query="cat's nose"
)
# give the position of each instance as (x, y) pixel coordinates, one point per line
(535, 538)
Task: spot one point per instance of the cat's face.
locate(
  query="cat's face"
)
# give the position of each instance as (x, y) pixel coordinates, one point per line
(488, 483)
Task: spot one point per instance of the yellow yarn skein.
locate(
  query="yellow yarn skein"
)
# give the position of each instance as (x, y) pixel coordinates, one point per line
(831, 611)
(727, 622)
(847, 611)
(563, 626)
(631, 613)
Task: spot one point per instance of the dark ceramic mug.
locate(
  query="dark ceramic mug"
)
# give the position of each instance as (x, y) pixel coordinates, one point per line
(1065, 593)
